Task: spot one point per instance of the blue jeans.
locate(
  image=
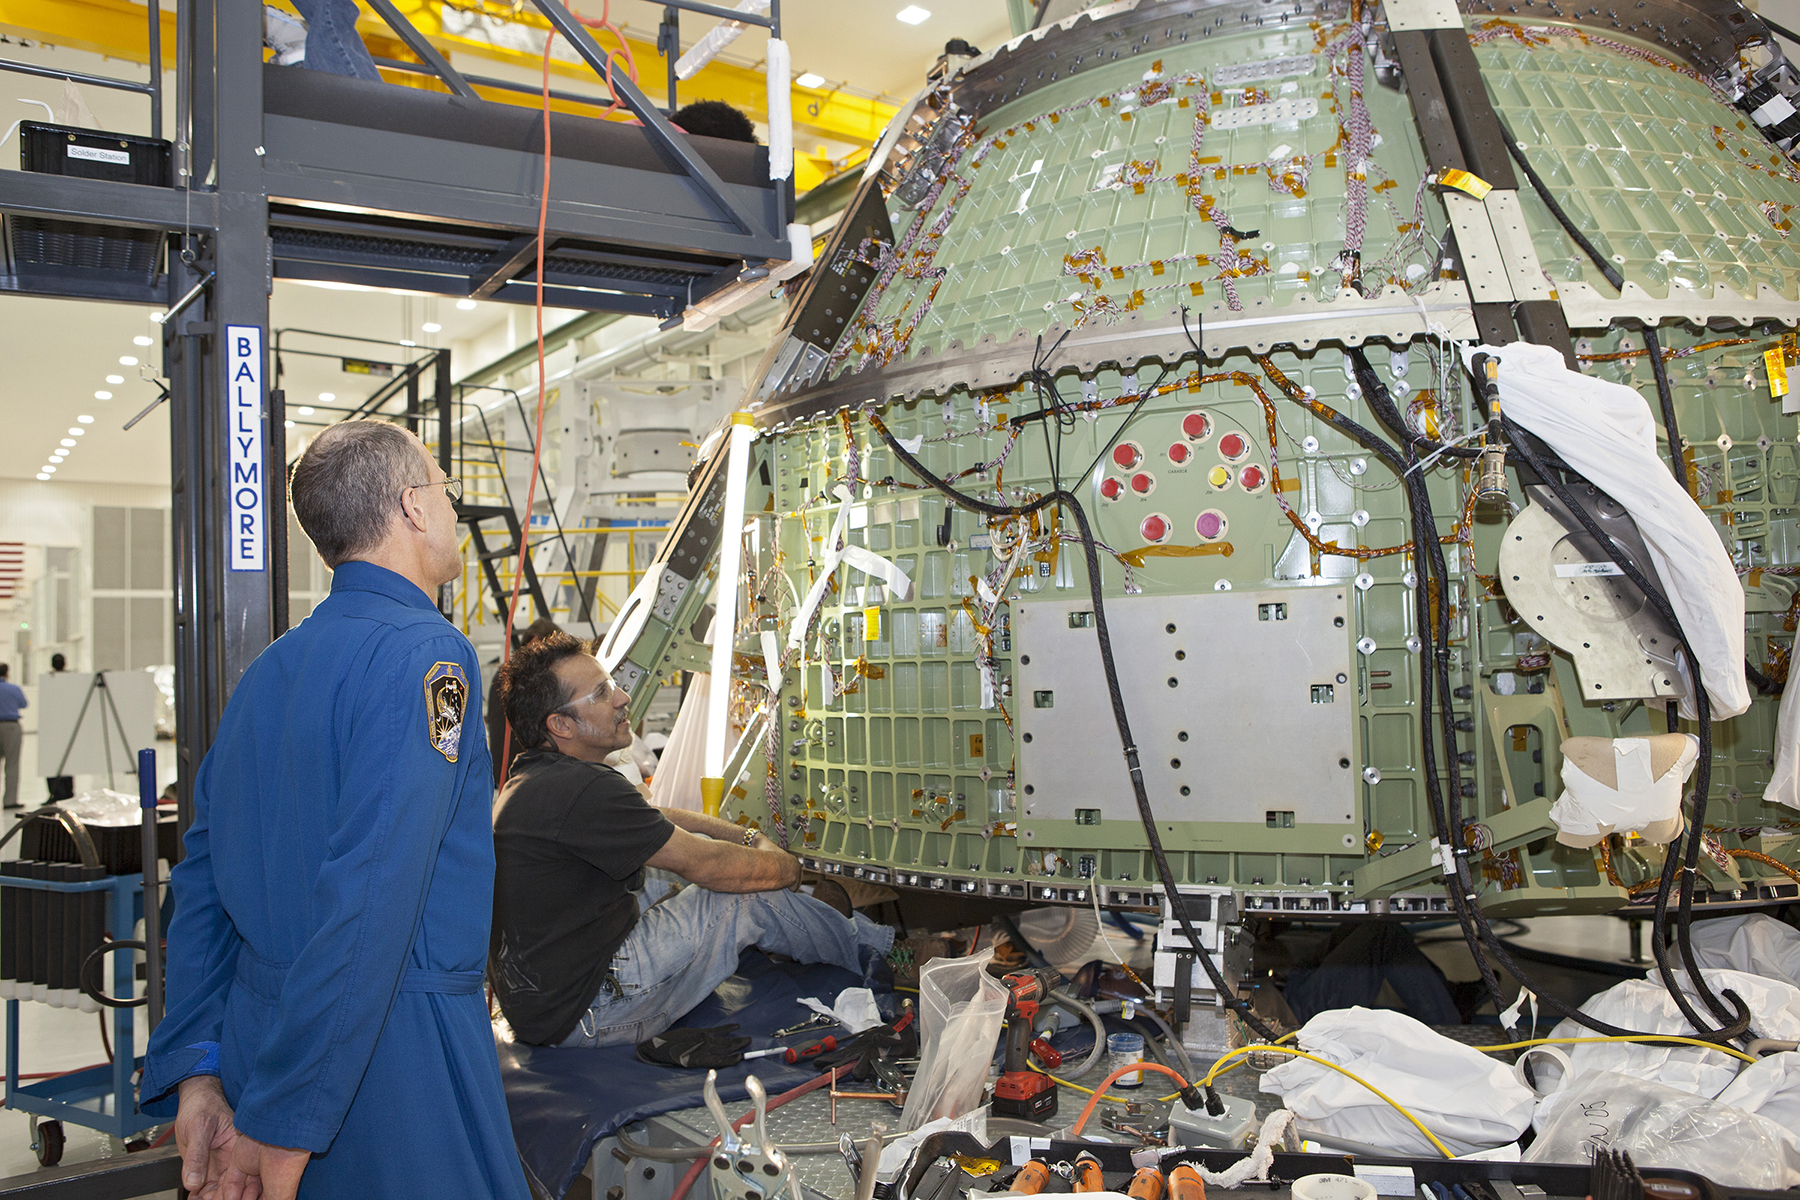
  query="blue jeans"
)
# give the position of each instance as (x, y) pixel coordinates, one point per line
(331, 41)
(689, 944)
(1353, 971)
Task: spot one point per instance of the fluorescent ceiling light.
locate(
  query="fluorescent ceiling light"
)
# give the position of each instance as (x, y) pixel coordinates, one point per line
(125, 360)
(408, 342)
(912, 14)
(327, 397)
(49, 468)
(85, 419)
(809, 80)
(59, 456)
(465, 305)
(68, 441)
(141, 340)
(157, 317)
(41, 475)
(115, 379)
(431, 327)
(103, 395)
(306, 410)
(288, 424)
(76, 431)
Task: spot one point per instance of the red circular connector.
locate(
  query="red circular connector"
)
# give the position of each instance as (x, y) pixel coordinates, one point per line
(1110, 488)
(1251, 478)
(1155, 527)
(1233, 446)
(1127, 455)
(1142, 482)
(1180, 452)
(1196, 425)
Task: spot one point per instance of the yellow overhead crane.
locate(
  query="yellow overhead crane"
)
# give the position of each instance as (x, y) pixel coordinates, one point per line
(116, 29)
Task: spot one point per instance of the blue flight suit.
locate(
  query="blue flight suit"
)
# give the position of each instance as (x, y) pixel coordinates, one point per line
(331, 922)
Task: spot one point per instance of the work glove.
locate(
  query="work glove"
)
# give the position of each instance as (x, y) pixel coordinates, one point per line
(695, 1048)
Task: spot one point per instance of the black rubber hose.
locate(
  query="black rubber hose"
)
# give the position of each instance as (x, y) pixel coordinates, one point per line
(1375, 393)
(1114, 693)
(1382, 404)
(1702, 775)
(1703, 709)
(1652, 344)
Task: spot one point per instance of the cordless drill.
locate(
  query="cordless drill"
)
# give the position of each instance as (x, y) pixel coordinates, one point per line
(1020, 1091)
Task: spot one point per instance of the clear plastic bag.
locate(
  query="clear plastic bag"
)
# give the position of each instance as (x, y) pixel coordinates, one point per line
(1664, 1127)
(105, 807)
(961, 1010)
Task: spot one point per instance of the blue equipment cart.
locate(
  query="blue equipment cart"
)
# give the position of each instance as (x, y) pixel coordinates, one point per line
(102, 1097)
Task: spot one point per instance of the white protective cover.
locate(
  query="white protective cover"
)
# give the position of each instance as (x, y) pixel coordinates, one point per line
(1645, 1006)
(1770, 1089)
(1606, 432)
(1664, 1127)
(1467, 1098)
(1784, 780)
(677, 780)
(1755, 942)
(1589, 809)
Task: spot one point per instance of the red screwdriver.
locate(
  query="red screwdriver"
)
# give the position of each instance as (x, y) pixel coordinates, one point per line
(794, 1054)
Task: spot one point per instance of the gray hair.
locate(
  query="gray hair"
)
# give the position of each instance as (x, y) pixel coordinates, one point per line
(346, 487)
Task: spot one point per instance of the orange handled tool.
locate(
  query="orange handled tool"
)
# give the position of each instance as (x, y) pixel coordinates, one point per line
(1087, 1175)
(1032, 1179)
(1185, 1184)
(1147, 1184)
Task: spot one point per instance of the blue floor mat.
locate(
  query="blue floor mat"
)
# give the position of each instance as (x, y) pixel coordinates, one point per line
(562, 1101)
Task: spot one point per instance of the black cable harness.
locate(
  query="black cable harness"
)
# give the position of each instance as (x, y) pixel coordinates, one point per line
(1114, 693)
(1695, 834)
(1447, 813)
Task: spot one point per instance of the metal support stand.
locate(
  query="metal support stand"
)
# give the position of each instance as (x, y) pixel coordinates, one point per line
(152, 885)
(108, 707)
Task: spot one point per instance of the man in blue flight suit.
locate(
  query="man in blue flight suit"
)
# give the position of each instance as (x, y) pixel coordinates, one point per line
(326, 1028)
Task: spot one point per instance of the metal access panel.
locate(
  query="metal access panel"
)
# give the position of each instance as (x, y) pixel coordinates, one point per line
(1241, 704)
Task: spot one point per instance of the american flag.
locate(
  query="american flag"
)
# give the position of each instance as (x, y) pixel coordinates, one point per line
(12, 568)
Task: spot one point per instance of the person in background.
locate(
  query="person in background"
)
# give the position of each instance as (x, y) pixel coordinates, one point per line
(326, 1027)
(543, 627)
(62, 787)
(714, 119)
(12, 701)
(328, 40)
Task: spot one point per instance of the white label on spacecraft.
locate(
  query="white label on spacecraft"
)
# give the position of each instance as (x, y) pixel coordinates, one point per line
(122, 158)
(246, 515)
(1584, 569)
(1265, 114)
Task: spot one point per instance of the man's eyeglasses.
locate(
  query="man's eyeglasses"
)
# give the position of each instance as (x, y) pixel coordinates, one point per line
(598, 695)
(453, 488)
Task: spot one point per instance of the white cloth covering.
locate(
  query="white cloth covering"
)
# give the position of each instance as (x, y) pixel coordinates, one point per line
(1645, 1005)
(1467, 1098)
(1637, 800)
(1754, 943)
(1606, 432)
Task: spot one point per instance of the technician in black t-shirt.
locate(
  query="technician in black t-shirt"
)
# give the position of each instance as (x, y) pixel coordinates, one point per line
(571, 959)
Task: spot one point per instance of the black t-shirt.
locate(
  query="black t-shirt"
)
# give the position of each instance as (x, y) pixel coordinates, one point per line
(570, 842)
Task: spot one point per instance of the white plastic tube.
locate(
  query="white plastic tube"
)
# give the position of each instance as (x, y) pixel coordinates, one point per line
(731, 566)
(716, 39)
(781, 113)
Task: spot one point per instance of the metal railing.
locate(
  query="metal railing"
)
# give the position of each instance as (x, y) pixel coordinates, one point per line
(152, 89)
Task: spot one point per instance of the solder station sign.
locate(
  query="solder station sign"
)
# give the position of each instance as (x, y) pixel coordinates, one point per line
(246, 514)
